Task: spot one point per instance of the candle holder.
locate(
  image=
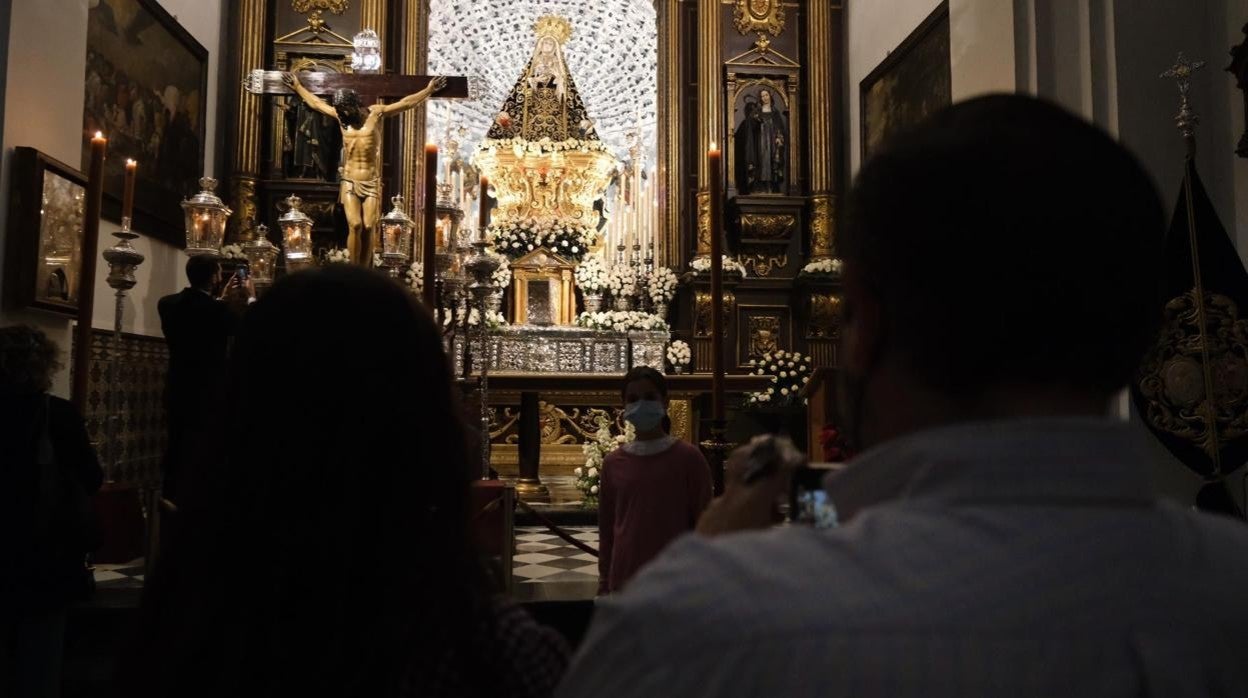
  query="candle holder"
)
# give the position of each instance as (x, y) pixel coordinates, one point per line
(297, 234)
(261, 258)
(396, 237)
(206, 215)
(122, 260)
(481, 265)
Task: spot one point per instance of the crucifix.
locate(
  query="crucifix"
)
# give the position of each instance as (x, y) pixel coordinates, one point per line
(359, 185)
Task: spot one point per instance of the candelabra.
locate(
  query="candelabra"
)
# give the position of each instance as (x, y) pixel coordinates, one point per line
(481, 266)
(122, 260)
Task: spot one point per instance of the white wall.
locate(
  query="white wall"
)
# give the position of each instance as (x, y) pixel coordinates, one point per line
(43, 96)
(1100, 59)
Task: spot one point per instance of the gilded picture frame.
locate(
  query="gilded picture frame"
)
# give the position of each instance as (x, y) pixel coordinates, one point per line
(146, 90)
(43, 262)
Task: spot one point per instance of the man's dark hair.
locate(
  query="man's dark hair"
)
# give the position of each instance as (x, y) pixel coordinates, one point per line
(200, 270)
(644, 373)
(1009, 242)
(27, 360)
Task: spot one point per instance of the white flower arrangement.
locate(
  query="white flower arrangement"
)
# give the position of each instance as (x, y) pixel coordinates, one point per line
(337, 256)
(414, 277)
(232, 251)
(502, 275)
(520, 146)
(662, 285)
(823, 267)
(702, 265)
(678, 354)
(589, 476)
(518, 238)
(493, 318)
(789, 371)
(378, 262)
(622, 281)
(621, 321)
(591, 275)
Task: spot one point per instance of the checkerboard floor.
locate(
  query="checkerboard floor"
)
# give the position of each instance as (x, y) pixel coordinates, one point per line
(128, 575)
(542, 557)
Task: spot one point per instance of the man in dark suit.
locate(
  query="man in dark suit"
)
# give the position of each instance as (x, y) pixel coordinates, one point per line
(197, 325)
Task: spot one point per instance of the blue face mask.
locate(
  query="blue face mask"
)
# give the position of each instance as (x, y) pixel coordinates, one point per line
(646, 415)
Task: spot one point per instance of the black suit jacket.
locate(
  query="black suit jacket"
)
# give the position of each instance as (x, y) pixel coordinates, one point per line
(197, 328)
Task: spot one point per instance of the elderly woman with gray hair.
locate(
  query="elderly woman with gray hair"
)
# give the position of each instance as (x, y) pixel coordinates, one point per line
(47, 473)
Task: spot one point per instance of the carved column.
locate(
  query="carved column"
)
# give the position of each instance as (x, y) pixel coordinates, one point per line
(373, 16)
(820, 71)
(711, 104)
(671, 168)
(415, 62)
(250, 30)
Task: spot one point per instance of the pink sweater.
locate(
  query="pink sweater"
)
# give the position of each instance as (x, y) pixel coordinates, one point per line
(644, 503)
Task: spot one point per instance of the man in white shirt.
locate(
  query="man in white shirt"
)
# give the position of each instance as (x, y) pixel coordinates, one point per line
(999, 533)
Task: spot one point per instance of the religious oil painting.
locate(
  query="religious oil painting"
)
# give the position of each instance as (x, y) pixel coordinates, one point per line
(44, 258)
(912, 83)
(146, 82)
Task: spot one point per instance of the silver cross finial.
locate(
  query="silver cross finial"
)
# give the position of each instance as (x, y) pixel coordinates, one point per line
(1181, 72)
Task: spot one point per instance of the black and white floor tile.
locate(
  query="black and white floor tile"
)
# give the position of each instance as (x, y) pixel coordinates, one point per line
(543, 558)
(128, 575)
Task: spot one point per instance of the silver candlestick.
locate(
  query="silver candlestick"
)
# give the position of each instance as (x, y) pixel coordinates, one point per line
(481, 267)
(122, 260)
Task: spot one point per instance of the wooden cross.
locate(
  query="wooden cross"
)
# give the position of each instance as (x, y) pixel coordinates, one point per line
(370, 87)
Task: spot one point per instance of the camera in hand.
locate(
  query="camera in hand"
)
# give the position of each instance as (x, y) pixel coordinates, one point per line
(809, 503)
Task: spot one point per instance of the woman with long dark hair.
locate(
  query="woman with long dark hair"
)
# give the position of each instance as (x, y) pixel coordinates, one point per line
(325, 550)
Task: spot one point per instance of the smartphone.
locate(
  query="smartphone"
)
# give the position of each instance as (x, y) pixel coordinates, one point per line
(809, 503)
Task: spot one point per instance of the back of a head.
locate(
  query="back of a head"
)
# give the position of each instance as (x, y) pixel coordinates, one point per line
(200, 270)
(343, 494)
(27, 360)
(1010, 243)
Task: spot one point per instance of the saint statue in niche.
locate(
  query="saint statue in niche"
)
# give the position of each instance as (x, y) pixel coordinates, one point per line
(761, 141)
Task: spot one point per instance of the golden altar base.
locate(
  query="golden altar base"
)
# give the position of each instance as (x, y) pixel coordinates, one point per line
(542, 180)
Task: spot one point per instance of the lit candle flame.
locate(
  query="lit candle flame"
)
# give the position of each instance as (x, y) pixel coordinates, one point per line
(714, 146)
(99, 134)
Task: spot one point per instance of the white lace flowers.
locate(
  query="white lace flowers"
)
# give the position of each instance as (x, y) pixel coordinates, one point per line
(502, 275)
(662, 285)
(678, 354)
(621, 321)
(414, 276)
(828, 267)
(622, 281)
(702, 265)
(789, 371)
(591, 275)
(337, 256)
(589, 476)
(232, 251)
(518, 238)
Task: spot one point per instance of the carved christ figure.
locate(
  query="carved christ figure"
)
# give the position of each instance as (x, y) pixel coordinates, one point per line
(359, 187)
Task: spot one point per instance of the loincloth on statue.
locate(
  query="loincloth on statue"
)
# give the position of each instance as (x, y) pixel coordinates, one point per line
(365, 189)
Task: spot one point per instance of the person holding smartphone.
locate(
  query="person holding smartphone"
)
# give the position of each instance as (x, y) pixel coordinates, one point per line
(653, 488)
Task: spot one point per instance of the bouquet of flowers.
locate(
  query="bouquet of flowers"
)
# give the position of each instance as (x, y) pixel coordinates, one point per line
(622, 281)
(520, 146)
(823, 267)
(789, 372)
(232, 251)
(518, 238)
(662, 285)
(591, 275)
(414, 277)
(702, 265)
(679, 355)
(502, 275)
(337, 256)
(589, 476)
(621, 321)
(493, 318)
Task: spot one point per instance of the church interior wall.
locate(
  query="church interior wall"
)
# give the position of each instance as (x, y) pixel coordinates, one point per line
(45, 77)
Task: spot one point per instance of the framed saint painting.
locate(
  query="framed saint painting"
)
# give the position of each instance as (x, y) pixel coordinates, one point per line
(913, 82)
(43, 262)
(146, 84)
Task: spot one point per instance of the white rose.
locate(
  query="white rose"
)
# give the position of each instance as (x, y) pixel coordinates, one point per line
(593, 490)
(784, 391)
(593, 472)
(784, 374)
(577, 472)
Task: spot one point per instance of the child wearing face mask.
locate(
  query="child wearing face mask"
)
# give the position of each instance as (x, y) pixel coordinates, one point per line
(652, 489)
